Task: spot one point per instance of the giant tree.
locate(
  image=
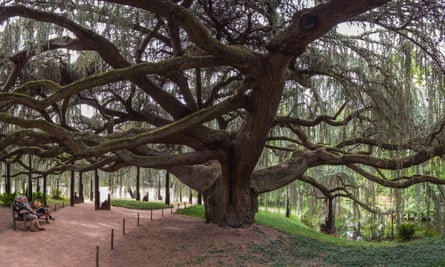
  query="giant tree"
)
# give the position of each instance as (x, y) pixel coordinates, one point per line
(203, 88)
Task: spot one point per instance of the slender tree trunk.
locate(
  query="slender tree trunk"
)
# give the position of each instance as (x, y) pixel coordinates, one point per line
(30, 178)
(44, 188)
(167, 188)
(91, 185)
(96, 190)
(190, 196)
(8, 178)
(329, 222)
(72, 194)
(81, 187)
(138, 179)
(199, 198)
(159, 188)
(38, 184)
(287, 203)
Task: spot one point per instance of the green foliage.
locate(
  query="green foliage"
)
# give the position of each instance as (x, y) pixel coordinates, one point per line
(36, 194)
(58, 201)
(426, 231)
(406, 231)
(195, 211)
(311, 217)
(133, 204)
(56, 194)
(7, 198)
(306, 247)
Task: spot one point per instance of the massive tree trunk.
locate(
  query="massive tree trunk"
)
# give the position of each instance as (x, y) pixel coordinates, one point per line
(240, 211)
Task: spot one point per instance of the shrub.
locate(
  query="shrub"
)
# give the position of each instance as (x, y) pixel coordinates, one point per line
(427, 231)
(36, 194)
(7, 198)
(406, 231)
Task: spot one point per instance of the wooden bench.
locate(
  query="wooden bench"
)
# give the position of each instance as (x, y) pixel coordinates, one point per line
(16, 217)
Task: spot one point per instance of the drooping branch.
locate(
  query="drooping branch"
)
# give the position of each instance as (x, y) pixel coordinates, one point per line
(66, 91)
(105, 145)
(398, 182)
(309, 25)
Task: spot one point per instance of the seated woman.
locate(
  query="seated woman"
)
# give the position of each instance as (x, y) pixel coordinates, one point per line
(40, 209)
(23, 209)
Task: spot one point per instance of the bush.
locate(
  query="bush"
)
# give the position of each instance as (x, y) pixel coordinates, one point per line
(7, 198)
(427, 231)
(406, 231)
(39, 194)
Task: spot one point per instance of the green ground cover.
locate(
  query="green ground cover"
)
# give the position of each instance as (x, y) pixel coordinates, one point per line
(306, 247)
(133, 204)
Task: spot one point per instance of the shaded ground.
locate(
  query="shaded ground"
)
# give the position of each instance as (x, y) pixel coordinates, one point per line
(169, 240)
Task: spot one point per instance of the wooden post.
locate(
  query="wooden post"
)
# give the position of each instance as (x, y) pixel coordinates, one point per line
(162, 211)
(123, 226)
(112, 238)
(171, 209)
(97, 256)
(151, 214)
(138, 219)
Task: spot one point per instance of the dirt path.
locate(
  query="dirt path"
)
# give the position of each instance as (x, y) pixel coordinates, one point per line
(71, 239)
(169, 240)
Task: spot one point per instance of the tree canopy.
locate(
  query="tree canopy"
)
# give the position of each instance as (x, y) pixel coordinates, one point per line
(235, 98)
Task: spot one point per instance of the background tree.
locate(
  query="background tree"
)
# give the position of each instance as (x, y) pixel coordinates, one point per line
(207, 89)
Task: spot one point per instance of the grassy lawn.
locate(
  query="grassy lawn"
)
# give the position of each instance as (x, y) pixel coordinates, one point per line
(58, 202)
(133, 204)
(306, 246)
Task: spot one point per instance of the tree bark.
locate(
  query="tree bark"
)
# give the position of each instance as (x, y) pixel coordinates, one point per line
(8, 178)
(238, 213)
(72, 194)
(138, 177)
(330, 222)
(30, 178)
(167, 189)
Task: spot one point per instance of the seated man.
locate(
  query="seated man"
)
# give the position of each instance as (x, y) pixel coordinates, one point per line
(23, 209)
(40, 209)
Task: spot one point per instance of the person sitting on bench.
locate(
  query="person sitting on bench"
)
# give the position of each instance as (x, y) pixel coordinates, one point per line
(40, 209)
(23, 209)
